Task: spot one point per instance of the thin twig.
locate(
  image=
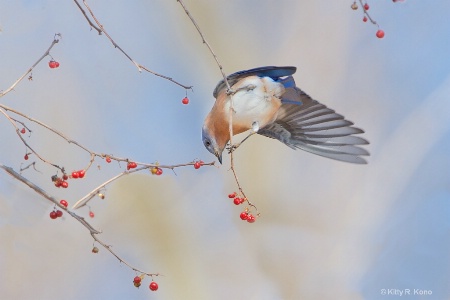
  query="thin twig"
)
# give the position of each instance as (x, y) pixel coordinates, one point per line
(135, 63)
(87, 18)
(54, 42)
(206, 43)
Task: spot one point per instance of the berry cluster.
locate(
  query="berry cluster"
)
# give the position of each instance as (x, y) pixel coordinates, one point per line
(78, 174)
(53, 64)
(60, 181)
(131, 165)
(56, 213)
(138, 279)
(245, 215)
(156, 171)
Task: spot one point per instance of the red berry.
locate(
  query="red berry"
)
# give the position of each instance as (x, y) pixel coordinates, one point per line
(95, 250)
(108, 159)
(366, 6)
(52, 64)
(65, 184)
(56, 64)
(365, 19)
(59, 213)
(380, 34)
(58, 183)
(197, 165)
(65, 177)
(159, 171)
(237, 201)
(244, 215)
(251, 218)
(25, 157)
(64, 203)
(53, 215)
(185, 100)
(153, 286)
(22, 131)
(81, 173)
(137, 279)
(91, 214)
(232, 195)
(131, 165)
(75, 175)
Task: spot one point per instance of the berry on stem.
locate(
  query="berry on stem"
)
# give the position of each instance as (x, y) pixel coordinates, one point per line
(366, 6)
(81, 173)
(53, 215)
(153, 286)
(380, 34)
(95, 250)
(185, 100)
(64, 203)
(237, 201)
(65, 184)
(26, 156)
(197, 165)
(75, 174)
(159, 171)
(108, 159)
(244, 215)
(23, 131)
(59, 213)
(91, 214)
(251, 218)
(137, 279)
(232, 195)
(365, 19)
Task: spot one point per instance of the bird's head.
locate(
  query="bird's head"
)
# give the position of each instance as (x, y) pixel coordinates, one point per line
(211, 143)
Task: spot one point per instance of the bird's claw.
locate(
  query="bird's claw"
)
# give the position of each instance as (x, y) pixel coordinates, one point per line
(231, 148)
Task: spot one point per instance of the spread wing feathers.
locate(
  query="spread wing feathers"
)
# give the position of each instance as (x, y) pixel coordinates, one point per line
(303, 123)
(273, 72)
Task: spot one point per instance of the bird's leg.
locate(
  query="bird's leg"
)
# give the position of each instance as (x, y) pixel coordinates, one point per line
(255, 128)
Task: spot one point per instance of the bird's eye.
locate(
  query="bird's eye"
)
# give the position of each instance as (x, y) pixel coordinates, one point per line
(207, 143)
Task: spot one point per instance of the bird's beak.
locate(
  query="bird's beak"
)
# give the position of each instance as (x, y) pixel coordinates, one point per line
(219, 156)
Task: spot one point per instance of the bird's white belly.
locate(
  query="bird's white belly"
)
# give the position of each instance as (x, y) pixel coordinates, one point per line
(259, 103)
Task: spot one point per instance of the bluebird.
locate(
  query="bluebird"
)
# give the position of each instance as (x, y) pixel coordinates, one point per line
(267, 101)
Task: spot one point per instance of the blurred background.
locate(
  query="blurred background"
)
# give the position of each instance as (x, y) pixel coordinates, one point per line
(328, 230)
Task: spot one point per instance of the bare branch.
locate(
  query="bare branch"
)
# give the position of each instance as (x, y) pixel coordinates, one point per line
(206, 43)
(87, 18)
(135, 63)
(54, 42)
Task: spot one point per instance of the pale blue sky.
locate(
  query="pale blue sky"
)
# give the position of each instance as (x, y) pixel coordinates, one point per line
(328, 230)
